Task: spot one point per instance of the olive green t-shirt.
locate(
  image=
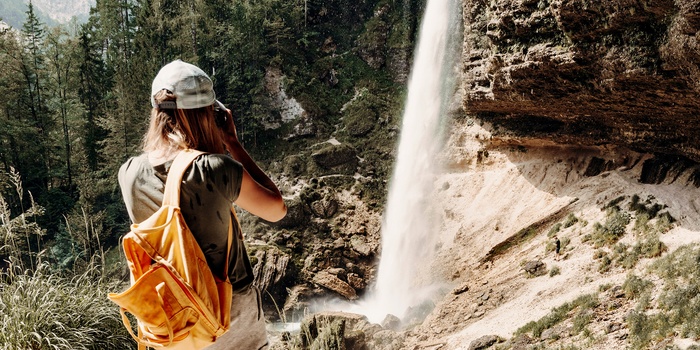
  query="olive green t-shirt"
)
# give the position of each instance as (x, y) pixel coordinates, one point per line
(208, 189)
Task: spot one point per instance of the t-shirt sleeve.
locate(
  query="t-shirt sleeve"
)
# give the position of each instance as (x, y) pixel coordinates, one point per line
(224, 173)
(125, 185)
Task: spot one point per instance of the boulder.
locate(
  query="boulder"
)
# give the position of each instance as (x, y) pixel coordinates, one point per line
(535, 268)
(345, 331)
(333, 283)
(484, 342)
(359, 244)
(334, 155)
(391, 322)
(296, 215)
(356, 281)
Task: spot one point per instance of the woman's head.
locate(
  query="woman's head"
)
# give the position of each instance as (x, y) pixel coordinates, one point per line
(182, 96)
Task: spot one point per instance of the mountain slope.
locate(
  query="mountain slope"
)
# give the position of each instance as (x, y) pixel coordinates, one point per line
(50, 12)
(499, 189)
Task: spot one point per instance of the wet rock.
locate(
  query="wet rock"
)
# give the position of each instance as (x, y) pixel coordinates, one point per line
(304, 127)
(622, 72)
(391, 322)
(338, 330)
(357, 282)
(294, 165)
(339, 243)
(332, 282)
(296, 302)
(337, 271)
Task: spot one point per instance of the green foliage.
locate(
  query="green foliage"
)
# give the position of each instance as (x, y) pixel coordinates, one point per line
(627, 256)
(613, 204)
(42, 310)
(649, 208)
(635, 286)
(612, 230)
(677, 306)
(571, 220)
(554, 271)
(583, 304)
(604, 287)
(605, 263)
(581, 320)
(554, 230)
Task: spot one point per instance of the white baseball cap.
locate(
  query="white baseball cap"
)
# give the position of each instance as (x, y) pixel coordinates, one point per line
(191, 86)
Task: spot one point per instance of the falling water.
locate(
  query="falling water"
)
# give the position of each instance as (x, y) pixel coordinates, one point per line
(409, 232)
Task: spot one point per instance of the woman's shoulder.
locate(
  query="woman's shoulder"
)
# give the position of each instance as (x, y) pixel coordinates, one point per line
(133, 166)
(217, 162)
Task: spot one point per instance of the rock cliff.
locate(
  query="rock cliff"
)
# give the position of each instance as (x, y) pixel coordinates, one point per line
(621, 72)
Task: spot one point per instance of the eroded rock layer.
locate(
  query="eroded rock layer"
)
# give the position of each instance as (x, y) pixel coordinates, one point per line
(624, 72)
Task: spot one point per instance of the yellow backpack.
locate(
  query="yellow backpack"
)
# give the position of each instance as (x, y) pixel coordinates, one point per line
(178, 302)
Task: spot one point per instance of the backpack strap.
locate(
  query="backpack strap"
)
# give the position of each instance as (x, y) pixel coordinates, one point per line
(171, 195)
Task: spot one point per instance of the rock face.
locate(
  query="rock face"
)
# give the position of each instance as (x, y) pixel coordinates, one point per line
(343, 331)
(586, 72)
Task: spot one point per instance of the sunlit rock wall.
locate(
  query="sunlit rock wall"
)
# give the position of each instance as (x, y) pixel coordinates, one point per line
(624, 72)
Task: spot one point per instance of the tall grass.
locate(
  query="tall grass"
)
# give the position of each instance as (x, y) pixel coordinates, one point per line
(42, 310)
(42, 307)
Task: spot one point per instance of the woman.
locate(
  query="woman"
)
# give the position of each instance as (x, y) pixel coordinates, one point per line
(184, 116)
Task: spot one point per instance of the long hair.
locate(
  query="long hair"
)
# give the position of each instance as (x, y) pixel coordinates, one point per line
(171, 130)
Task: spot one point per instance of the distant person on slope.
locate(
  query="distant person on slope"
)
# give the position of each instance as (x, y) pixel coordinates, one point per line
(184, 117)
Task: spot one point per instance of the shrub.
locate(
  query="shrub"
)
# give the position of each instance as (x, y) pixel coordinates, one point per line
(580, 322)
(628, 257)
(664, 222)
(570, 220)
(605, 264)
(614, 203)
(584, 303)
(554, 271)
(612, 230)
(634, 286)
(554, 230)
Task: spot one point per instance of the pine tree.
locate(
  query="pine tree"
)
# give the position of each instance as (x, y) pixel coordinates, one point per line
(33, 70)
(93, 86)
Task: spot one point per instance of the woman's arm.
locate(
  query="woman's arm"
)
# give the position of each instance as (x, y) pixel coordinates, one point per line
(259, 195)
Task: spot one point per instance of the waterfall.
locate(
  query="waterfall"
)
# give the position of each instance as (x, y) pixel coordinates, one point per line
(410, 228)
